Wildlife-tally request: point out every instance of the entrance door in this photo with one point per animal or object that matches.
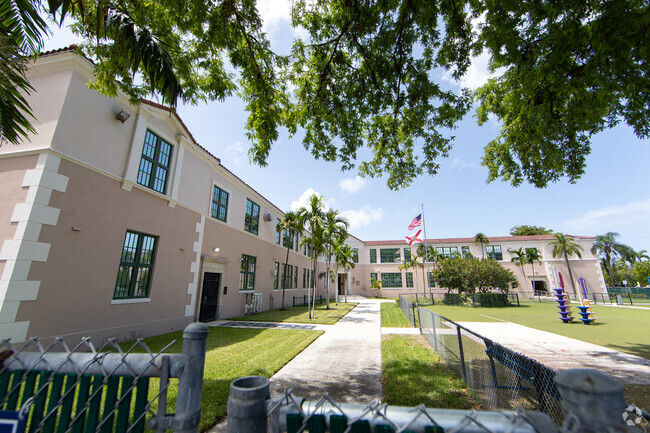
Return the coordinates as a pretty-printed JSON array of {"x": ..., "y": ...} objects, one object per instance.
[
  {"x": 540, "y": 286},
  {"x": 342, "y": 281},
  {"x": 211, "y": 284}
]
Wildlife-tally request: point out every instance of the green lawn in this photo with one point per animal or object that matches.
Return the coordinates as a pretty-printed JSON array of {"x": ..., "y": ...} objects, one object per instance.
[
  {"x": 413, "y": 374},
  {"x": 323, "y": 316},
  {"x": 624, "y": 329},
  {"x": 392, "y": 316},
  {"x": 233, "y": 353}
]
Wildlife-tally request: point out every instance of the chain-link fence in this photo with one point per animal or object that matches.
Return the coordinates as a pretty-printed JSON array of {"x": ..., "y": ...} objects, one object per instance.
[
  {"x": 594, "y": 403},
  {"x": 55, "y": 388},
  {"x": 501, "y": 377}
]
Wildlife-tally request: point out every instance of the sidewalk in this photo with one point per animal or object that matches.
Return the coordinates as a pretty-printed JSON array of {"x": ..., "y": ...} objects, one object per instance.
[
  {"x": 561, "y": 353},
  {"x": 345, "y": 362}
]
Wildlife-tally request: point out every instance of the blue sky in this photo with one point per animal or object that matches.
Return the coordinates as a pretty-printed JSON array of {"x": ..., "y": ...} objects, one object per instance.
[{"x": 613, "y": 195}]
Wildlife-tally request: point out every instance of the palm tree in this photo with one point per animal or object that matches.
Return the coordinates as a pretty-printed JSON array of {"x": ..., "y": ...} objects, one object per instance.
[
  {"x": 643, "y": 256},
  {"x": 345, "y": 258},
  {"x": 532, "y": 256},
  {"x": 335, "y": 231},
  {"x": 289, "y": 226},
  {"x": 482, "y": 240},
  {"x": 376, "y": 284},
  {"x": 312, "y": 217},
  {"x": 565, "y": 245},
  {"x": 608, "y": 248},
  {"x": 412, "y": 262},
  {"x": 519, "y": 258}
]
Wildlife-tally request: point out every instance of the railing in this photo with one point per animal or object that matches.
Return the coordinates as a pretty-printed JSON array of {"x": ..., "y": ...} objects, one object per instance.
[
  {"x": 55, "y": 388},
  {"x": 593, "y": 403},
  {"x": 500, "y": 377}
]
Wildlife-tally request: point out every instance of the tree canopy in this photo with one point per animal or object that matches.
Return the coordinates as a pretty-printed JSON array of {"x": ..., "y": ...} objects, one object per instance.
[
  {"x": 526, "y": 230},
  {"x": 368, "y": 75}
]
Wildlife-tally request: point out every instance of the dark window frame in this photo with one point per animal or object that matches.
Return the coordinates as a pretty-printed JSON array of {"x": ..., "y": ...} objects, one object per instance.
[
  {"x": 252, "y": 217},
  {"x": 135, "y": 290},
  {"x": 217, "y": 207},
  {"x": 155, "y": 161}
]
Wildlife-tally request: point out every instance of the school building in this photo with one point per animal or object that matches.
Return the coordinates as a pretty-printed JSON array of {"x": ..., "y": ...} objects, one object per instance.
[{"x": 114, "y": 222}]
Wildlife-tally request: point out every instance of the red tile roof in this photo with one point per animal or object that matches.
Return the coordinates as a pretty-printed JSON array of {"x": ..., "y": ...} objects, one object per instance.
[{"x": 492, "y": 239}]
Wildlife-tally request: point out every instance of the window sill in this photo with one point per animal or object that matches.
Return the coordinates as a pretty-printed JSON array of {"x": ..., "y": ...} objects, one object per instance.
[{"x": 130, "y": 301}]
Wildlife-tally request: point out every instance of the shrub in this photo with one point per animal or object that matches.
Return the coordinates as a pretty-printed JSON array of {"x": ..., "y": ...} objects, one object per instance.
[
  {"x": 453, "y": 299},
  {"x": 490, "y": 300}
]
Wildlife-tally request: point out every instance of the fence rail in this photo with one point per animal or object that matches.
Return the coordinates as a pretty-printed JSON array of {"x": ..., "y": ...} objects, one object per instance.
[
  {"x": 501, "y": 377},
  {"x": 56, "y": 388},
  {"x": 593, "y": 403}
]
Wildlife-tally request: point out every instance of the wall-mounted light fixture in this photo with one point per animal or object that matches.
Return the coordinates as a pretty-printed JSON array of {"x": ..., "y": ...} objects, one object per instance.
[
  {"x": 216, "y": 249},
  {"x": 122, "y": 116},
  {"x": 76, "y": 229}
]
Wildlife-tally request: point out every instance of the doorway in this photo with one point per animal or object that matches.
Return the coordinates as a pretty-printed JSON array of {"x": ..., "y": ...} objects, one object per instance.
[
  {"x": 209, "y": 302},
  {"x": 342, "y": 280},
  {"x": 540, "y": 286}
]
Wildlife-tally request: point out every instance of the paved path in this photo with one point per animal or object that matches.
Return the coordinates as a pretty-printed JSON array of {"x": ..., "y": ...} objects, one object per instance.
[
  {"x": 345, "y": 362},
  {"x": 561, "y": 353}
]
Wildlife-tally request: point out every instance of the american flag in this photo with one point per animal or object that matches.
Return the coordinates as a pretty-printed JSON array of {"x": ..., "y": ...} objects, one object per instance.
[{"x": 417, "y": 221}]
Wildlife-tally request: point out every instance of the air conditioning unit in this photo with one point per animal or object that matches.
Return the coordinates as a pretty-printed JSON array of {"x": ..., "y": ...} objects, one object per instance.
[{"x": 267, "y": 217}]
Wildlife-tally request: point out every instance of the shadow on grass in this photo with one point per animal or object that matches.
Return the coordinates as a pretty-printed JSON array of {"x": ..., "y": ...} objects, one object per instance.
[{"x": 638, "y": 349}]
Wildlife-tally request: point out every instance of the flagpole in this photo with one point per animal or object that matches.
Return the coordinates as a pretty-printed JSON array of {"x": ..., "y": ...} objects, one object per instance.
[{"x": 426, "y": 254}]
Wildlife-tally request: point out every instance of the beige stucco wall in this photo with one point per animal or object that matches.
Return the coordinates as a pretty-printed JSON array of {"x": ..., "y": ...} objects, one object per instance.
[
  {"x": 12, "y": 173},
  {"x": 78, "y": 279},
  {"x": 232, "y": 243}
]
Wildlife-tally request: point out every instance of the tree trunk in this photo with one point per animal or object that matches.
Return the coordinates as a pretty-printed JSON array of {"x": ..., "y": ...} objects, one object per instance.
[
  {"x": 611, "y": 269},
  {"x": 327, "y": 282},
  {"x": 284, "y": 276},
  {"x": 336, "y": 285},
  {"x": 310, "y": 289},
  {"x": 313, "y": 300},
  {"x": 573, "y": 284}
]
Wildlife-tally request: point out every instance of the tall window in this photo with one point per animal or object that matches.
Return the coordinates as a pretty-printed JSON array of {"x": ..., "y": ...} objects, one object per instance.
[
  {"x": 247, "y": 274},
  {"x": 493, "y": 252},
  {"x": 136, "y": 264},
  {"x": 432, "y": 281},
  {"x": 373, "y": 256},
  {"x": 389, "y": 255},
  {"x": 252, "y": 218},
  {"x": 154, "y": 164},
  {"x": 465, "y": 251},
  {"x": 276, "y": 272},
  {"x": 277, "y": 232},
  {"x": 409, "y": 279},
  {"x": 407, "y": 254},
  {"x": 355, "y": 255},
  {"x": 219, "y": 207},
  {"x": 373, "y": 275},
  {"x": 295, "y": 278},
  {"x": 391, "y": 279}
]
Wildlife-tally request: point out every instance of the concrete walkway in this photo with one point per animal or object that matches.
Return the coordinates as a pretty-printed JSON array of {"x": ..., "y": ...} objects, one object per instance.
[
  {"x": 345, "y": 362},
  {"x": 561, "y": 353}
]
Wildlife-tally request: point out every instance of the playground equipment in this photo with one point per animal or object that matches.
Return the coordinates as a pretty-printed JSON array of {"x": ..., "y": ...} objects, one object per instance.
[
  {"x": 564, "y": 305},
  {"x": 587, "y": 316}
]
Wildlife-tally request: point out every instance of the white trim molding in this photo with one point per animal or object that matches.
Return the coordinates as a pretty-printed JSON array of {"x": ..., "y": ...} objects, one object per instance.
[
  {"x": 19, "y": 252},
  {"x": 194, "y": 268}
]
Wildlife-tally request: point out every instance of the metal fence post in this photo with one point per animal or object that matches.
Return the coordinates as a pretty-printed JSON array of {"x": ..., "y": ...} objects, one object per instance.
[
  {"x": 190, "y": 382},
  {"x": 462, "y": 354},
  {"x": 247, "y": 405},
  {"x": 593, "y": 399}
]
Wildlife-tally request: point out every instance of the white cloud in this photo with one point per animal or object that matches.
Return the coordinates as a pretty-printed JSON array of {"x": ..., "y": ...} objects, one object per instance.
[
  {"x": 363, "y": 217},
  {"x": 352, "y": 184},
  {"x": 460, "y": 164},
  {"x": 236, "y": 152},
  {"x": 304, "y": 200},
  {"x": 610, "y": 218},
  {"x": 274, "y": 13}
]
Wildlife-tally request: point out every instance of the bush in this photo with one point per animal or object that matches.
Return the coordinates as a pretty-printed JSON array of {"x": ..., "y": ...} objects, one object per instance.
[
  {"x": 453, "y": 299},
  {"x": 490, "y": 300}
]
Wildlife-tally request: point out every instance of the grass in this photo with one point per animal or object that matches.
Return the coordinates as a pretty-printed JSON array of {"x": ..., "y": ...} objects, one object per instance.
[
  {"x": 413, "y": 374},
  {"x": 392, "y": 316},
  {"x": 323, "y": 316},
  {"x": 233, "y": 353},
  {"x": 624, "y": 329}
]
